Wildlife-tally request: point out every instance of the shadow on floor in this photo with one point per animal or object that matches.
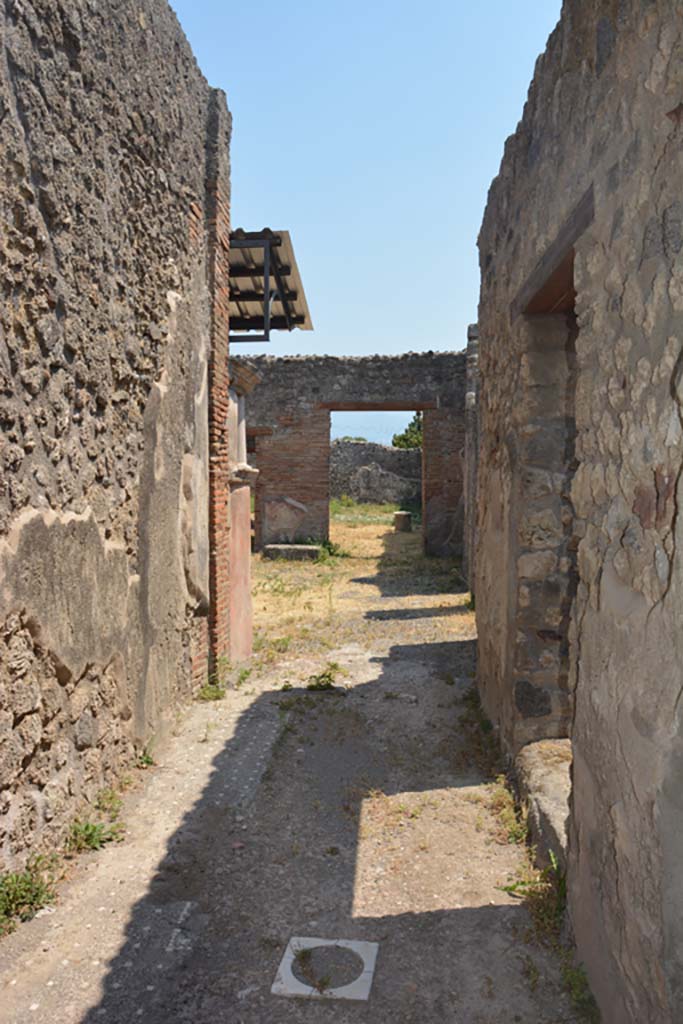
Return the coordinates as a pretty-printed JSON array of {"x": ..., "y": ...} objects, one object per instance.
[
  {"x": 384, "y": 615},
  {"x": 239, "y": 880}
]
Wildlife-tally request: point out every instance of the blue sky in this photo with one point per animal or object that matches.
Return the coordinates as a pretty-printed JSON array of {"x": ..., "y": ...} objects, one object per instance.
[{"x": 371, "y": 131}]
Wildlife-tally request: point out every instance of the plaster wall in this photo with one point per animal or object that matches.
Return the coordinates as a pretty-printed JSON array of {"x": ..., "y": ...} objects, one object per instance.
[
  {"x": 605, "y": 110},
  {"x": 114, "y": 155}
]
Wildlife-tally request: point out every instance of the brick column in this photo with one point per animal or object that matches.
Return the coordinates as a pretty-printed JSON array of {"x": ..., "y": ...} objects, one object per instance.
[{"x": 218, "y": 232}]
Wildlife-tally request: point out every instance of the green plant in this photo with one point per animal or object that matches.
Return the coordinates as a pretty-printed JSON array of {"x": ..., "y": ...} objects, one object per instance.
[
  {"x": 482, "y": 745},
  {"x": 329, "y": 549},
  {"x": 324, "y": 680},
  {"x": 211, "y": 691},
  {"x": 145, "y": 759},
  {"x": 24, "y": 893},
  {"x": 512, "y": 822},
  {"x": 109, "y": 802},
  {"x": 242, "y": 677},
  {"x": 577, "y": 986},
  {"x": 346, "y": 502},
  {"x": 411, "y": 437},
  {"x": 92, "y": 835},
  {"x": 470, "y": 604},
  {"x": 530, "y": 972}
]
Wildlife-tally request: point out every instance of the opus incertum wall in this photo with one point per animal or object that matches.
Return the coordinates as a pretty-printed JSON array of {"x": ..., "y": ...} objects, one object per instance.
[
  {"x": 114, "y": 201},
  {"x": 288, "y": 426},
  {"x": 579, "y": 566}
]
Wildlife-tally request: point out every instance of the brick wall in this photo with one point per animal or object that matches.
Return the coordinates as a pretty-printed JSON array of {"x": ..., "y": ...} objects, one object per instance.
[
  {"x": 288, "y": 421},
  {"x": 293, "y": 485},
  {"x": 218, "y": 225}
]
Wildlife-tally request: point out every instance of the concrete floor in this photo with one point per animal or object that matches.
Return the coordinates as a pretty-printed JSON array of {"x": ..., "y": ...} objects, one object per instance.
[{"x": 357, "y": 815}]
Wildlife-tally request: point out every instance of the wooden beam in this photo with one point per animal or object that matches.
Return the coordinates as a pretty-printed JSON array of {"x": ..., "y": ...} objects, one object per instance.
[{"x": 556, "y": 256}]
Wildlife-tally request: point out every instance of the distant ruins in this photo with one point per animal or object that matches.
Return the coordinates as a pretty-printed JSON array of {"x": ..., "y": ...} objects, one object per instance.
[
  {"x": 288, "y": 433},
  {"x": 579, "y": 576},
  {"x": 369, "y": 472}
]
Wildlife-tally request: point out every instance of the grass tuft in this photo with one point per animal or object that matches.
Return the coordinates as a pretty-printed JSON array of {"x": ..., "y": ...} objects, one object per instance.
[
  {"x": 92, "y": 835},
  {"x": 24, "y": 893}
]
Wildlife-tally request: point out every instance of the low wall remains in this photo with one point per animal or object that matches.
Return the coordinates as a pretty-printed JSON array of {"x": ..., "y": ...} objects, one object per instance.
[{"x": 369, "y": 472}]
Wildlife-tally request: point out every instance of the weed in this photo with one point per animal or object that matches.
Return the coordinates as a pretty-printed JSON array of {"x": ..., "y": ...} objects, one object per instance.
[
  {"x": 92, "y": 835},
  {"x": 513, "y": 827},
  {"x": 470, "y": 604},
  {"x": 323, "y": 983},
  {"x": 24, "y": 893},
  {"x": 576, "y": 984},
  {"x": 286, "y": 686},
  {"x": 210, "y": 726},
  {"x": 242, "y": 677},
  {"x": 145, "y": 759},
  {"x": 303, "y": 957},
  {"x": 211, "y": 691},
  {"x": 109, "y": 802},
  {"x": 482, "y": 745},
  {"x": 329, "y": 549},
  {"x": 530, "y": 972},
  {"x": 281, "y": 644},
  {"x": 325, "y": 680}
]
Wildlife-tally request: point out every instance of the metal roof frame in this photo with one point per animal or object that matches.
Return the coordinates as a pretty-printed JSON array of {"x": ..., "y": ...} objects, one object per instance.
[{"x": 264, "y": 262}]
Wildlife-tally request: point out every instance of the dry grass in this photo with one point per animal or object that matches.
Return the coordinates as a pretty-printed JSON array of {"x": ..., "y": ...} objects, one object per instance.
[{"x": 309, "y": 608}]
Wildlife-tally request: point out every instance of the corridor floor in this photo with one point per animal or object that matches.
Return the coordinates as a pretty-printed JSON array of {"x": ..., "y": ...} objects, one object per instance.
[{"x": 362, "y": 813}]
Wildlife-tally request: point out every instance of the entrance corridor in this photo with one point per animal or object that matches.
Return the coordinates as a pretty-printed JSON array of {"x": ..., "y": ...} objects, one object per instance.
[{"x": 344, "y": 790}]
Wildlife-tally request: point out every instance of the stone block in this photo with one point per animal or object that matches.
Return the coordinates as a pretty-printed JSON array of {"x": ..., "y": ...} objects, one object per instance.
[
  {"x": 543, "y": 777},
  {"x": 293, "y": 552}
]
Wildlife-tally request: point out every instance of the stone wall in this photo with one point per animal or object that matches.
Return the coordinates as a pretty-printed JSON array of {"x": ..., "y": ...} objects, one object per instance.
[
  {"x": 471, "y": 453},
  {"x": 579, "y": 574},
  {"x": 288, "y": 423},
  {"x": 114, "y": 197},
  {"x": 370, "y": 472}
]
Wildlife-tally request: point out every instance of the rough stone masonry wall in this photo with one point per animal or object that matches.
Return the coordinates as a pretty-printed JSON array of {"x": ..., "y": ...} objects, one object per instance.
[
  {"x": 109, "y": 204},
  {"x": 288, "y": 422},
  {"x": 471, "y": 453},
  {"x": 369, "y": 472},
  {"x": 605, "y": 109}
]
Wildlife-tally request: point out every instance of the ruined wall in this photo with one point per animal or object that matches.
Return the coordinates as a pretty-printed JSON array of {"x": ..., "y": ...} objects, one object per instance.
[
  {"x": 288, "y": 423},
  {"x": 114, "y": 157},
  {"x": 605, "y": 110},
  {"x": 369, "y": 472}
]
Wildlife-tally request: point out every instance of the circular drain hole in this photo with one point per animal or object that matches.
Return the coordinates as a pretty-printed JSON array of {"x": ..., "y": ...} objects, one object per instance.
[{"x": 325, "y": 967}]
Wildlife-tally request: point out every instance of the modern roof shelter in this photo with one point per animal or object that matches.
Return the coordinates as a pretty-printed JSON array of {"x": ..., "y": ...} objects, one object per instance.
[{"x": 266, "y": 293}]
